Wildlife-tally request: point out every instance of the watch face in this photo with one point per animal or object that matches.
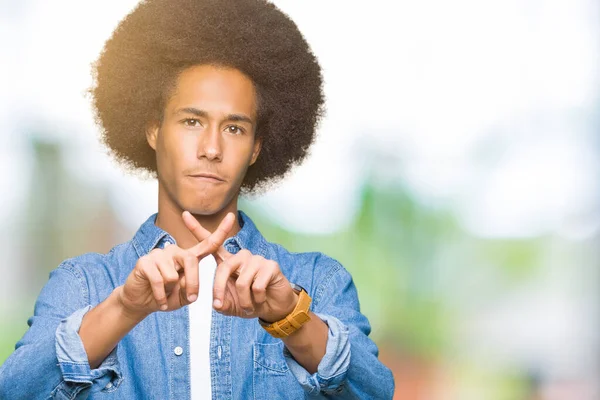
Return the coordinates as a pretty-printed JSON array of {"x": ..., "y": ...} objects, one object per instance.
[{"x": 297, "y": 288}]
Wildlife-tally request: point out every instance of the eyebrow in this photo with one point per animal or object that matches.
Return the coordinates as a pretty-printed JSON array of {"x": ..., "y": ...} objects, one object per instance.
[{"x": 204, "y": 114}]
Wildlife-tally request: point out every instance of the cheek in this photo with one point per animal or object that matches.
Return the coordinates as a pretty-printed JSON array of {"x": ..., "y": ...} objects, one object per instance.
[
  {"x": 163, "y": 158},
  {"x": 242, "y": 161},
  {"x": 247, "y": 152},
  {"x": 174, "y": 152}
]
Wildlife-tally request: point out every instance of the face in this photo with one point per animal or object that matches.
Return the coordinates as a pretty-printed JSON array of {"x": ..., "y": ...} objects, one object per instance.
[{"x": 206, "y": 142}]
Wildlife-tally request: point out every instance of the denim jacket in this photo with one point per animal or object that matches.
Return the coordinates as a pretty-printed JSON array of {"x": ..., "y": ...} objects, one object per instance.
[{"x": 152, "y": 361}]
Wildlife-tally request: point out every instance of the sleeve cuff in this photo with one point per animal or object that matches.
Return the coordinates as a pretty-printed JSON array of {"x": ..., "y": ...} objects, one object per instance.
[
  {"x": 73, "y": 360},
  {"x": 331, "y": 372}
]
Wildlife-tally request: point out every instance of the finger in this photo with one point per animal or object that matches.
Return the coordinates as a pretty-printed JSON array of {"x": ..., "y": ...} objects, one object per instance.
[
  {"x": 219, "y": 236},
  {"x": 194, "y": 226},
  {"x": 199, "y": 232},
  {"x": 244, "y": 282},
  {"x": 182, "y": 290},
  {"x": 222, "y": 274},
  {"x": 192, "y": 280},
  {"x": 262, "y": 280},
  {"x": 174, "y": 252},
  {"x": 221, "y": 254},
  {"x": 166, "y": 266},
  {"x": 207, "y": 247},
  {"x": 153, "y": 275},
  {"x": 213, "y": 243}
]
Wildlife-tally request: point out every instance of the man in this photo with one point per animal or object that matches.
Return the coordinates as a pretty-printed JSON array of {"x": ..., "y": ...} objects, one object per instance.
[{"x": 216, "y": 98}]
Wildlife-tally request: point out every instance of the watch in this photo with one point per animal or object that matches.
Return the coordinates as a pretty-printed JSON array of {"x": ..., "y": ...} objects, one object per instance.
[{"x": 293, "y": 321}]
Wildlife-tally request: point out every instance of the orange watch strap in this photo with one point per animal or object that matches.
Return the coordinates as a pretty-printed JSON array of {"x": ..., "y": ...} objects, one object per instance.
[{"x": 293, "y": 321}]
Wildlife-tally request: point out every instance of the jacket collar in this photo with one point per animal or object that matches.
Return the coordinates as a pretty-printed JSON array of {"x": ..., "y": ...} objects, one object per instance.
[{"x": 149, "y": 236}]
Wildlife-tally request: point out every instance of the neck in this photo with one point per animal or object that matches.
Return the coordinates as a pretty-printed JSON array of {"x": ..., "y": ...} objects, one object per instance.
[{"x": 169, "y": 219}]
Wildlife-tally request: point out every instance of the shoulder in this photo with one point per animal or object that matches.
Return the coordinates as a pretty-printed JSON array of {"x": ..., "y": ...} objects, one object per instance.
[
  {"x": 96, "y": 261},
  {"x": 305, "y": 260},
  {"x": 314, "y": 270},
  {"x": 98, "y": 273}
]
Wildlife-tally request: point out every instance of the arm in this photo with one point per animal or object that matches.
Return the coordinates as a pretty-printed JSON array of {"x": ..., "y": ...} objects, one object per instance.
[
  {"x": 164, "y": 280},
  {"x": 250, "y": 286},
  {"x": 349, "y": 368},
  {"x": 49, "y": 360},
  {"x": 66, "y": 339},
  {"x": 104, "y": 326},
  {"x": 308, "y": 344}
]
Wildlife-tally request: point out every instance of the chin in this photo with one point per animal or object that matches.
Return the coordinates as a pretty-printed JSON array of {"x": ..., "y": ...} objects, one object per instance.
[
  {"x": 202, "y": 207},
  {"x": 202, "y": 203},
  {"x": 202, "y": 210}
]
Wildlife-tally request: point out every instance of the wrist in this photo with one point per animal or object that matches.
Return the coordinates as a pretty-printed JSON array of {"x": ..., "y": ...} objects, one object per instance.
[
  {"x": 286, "y": 310},
  {"x": 292, "y": 321},
  {"x": 127, "y": 312}
]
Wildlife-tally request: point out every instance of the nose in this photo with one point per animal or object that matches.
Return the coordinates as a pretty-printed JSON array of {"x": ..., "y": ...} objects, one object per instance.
[{"x": 210, "y": 145}]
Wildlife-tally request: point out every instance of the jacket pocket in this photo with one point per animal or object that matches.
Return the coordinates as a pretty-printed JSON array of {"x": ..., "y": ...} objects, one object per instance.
[
  {"x": 269, "y": 357},
  {"x": 272, "y": 378}
]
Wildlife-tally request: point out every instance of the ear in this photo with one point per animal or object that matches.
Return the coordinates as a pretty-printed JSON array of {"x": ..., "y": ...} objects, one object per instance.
[
  {"x": 152, "y": 134},
  {"x": 256, "y": 151}
]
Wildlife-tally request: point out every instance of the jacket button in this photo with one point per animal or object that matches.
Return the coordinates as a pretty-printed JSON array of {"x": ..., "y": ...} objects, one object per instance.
[{"x": 178, "y": 351}]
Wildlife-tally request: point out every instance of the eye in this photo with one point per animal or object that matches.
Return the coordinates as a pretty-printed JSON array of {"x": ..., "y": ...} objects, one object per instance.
[
  {"x": 234, "y": 129},
  {"x": 191, "y": 122}
]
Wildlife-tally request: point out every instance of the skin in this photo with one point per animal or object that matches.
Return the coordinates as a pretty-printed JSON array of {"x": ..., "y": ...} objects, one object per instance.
[{"x": 208, "y": 127}]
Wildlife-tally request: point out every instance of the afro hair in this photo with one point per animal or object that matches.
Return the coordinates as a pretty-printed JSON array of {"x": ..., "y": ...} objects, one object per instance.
[{"x": 151, "y": 46}]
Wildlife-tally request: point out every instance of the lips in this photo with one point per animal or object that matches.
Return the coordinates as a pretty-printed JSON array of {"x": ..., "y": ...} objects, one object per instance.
[{"x": 208, "y": 177}]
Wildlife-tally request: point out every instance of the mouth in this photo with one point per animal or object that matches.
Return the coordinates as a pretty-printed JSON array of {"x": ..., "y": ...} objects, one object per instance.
[{"x": 210, "y": 178}]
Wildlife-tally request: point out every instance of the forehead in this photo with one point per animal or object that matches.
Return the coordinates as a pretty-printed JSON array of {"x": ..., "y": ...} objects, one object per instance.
[{"x": 215, "y": 89}]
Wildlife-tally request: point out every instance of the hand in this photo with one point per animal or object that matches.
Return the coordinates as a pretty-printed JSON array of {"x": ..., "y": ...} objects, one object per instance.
[
  {"x": 247, "y": 285},
  {"x": 167, "y": 279}
]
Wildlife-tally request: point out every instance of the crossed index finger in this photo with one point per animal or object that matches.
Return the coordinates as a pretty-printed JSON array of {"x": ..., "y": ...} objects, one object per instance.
[{"x": 210, "y": 243}]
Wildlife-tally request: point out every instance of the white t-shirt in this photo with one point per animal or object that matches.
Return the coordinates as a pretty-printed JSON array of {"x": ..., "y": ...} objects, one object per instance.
[{"x": 200, "y": 313}]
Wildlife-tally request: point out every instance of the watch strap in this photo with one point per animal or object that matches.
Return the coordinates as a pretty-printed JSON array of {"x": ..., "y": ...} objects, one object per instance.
[{"x": 293, "y": 321}]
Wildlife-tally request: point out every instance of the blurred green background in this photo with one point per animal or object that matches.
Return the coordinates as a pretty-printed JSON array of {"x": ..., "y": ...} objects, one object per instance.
[{"x": 455, "y": 176}]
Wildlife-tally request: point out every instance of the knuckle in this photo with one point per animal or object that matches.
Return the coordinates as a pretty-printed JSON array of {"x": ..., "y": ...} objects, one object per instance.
[
  {"x": 271, "y": 265},
  {"x": 172, "y": 278},
  {"x": 240, "y": 285},
  {"x": 155, "y": 252},
  {"x": 143, "y": 260},
  {"x": 258, "y": 289},
  {"x": 245, "y": 303},
  {"x": 156, "y": 279}
]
